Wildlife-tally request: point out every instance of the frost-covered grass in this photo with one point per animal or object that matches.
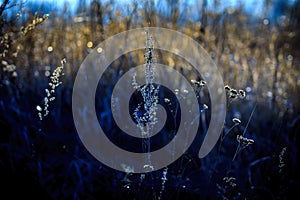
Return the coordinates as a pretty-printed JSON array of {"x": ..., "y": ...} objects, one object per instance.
[{"x": 255, "y": 158}]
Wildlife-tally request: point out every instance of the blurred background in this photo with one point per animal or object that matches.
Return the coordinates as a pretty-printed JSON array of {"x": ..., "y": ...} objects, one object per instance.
[{"x": 255, "y": 46}]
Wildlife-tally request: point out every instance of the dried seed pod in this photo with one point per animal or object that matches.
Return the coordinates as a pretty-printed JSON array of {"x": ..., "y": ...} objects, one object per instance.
[
  {"x": 242, "y": 93},
  {"x": 227, "y": 87},
  {"x": 236, "y": 120},
  {"x": 233, "y": 93}
]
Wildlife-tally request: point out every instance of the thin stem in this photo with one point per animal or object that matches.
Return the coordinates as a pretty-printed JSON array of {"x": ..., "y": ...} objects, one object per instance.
[
  {"x": 223, "y": 138},
  {"x": 249, "y": 119},
  {"x": 229, "y": 130},
  {"x": 239, "y": 145},
  {"x": 236, "y": 151}
]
